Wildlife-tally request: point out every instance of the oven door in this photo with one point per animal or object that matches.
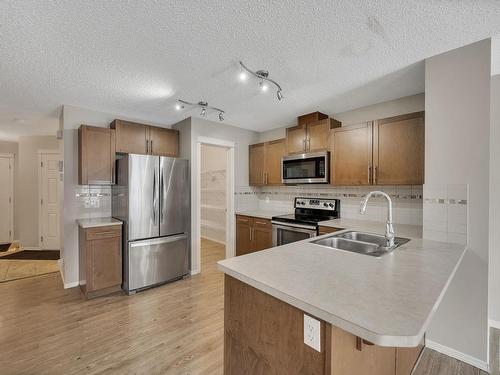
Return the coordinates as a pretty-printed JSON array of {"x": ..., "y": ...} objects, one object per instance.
[
  {"x": 312, "y": 168},
  {"x": 287, "y": 233}
]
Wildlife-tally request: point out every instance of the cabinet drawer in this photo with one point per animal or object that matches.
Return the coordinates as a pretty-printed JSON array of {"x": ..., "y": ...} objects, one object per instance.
[
  {"x": 262, "y": 223},
  {"x": 103, "y": 232},
  {"x": 244, "y": 220}
]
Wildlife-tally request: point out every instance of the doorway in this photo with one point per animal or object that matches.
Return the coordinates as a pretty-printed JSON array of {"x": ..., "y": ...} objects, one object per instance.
[
  {"x": 7, "y": 200},
  {"x": 214, "y": 202}
]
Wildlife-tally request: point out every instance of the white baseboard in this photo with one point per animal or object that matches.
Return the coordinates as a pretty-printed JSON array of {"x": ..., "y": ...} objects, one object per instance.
[
  {"x": 494, "y": 324},
  {"x": 473, "y": 361},
  {"x": 195, "y": 272},
  {"x": 31, "y": 248},
  {"x": 61, "y": 272}
]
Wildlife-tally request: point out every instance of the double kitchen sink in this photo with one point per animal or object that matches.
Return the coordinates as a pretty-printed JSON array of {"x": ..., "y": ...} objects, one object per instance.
[{"x": 360, "y": 242}]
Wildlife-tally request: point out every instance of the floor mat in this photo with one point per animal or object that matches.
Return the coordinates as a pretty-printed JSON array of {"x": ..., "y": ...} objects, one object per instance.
[
  {"x": 34, "y": 255},
  {"x": 5, "y": 247}
]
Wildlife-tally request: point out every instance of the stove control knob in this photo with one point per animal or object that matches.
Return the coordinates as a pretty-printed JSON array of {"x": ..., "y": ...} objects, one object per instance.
[
  {"x": 331, "y": 205},
  {"x": 325, "y": 204}
]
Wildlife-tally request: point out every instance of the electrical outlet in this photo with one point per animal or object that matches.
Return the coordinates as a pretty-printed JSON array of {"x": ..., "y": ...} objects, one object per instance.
[{"x": 312, "y": 332}]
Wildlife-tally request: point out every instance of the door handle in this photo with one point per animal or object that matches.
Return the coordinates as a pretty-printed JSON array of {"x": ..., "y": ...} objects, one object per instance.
[
  {"x": 154, "y": 199},
  {"x": 160, "y": 194}
]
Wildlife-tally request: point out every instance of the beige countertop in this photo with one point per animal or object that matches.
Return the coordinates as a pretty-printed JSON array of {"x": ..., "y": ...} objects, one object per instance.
[
  {"x": 98, "y": 222},
  {"x": 389, "y": 300},
  {"x": 262, "y": 214}
]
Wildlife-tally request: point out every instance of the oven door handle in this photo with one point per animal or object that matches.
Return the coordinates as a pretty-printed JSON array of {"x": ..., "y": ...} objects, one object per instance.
[{"x": 307, "y": 228}]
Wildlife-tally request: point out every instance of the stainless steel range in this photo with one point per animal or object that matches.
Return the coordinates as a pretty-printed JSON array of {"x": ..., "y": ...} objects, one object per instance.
[{"x": 304, "y": 223}]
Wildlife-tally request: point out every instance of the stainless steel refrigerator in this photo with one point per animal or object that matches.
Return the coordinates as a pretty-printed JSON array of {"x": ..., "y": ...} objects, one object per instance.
[{"x": 152, "y": 198}]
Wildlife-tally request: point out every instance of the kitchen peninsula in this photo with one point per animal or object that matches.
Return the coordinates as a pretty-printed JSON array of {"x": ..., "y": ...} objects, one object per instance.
[{"x": 373, "y": 312}]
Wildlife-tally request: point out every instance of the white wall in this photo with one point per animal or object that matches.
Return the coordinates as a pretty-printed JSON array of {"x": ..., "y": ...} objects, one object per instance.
[
  {"x": 242, "y": 138},
  {"x": 72, "y": 118},
  {"x": 27, "y": 203},
  {"x": 401, "y": 106},
  {"x": 494, "y": 260},
  {"x": 457, "y": 106}
]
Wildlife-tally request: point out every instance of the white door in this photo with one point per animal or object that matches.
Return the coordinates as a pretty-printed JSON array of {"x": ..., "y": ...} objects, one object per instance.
[
  {"x": 49, "y": 201},
  {"x": 6, "y": 199}
]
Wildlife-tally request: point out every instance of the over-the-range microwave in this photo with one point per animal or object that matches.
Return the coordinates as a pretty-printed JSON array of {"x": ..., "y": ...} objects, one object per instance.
[{"x": 311, "y": 168}]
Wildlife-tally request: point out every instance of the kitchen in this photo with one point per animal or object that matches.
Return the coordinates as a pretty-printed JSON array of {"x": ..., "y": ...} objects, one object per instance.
[{"x": 352, "y": 224}]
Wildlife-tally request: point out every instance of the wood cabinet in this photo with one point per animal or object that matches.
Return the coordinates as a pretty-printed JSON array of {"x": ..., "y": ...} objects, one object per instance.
[
  {"x": 135, "y": 138},
  {"x": 252, "y": 234},
  {"x": 351, "y": 155},
  {"x": 383, "y": 152},
  {"x": 310, "y": 137},
  {"x": 264, "y": 335},
  {"x": 96, "y": 155},
  {"x": 265, "y": 163},
  {"x": 398, "y": 150},
  {"x": 325, "y": 230},
  {"x": 100, "y": 262}
]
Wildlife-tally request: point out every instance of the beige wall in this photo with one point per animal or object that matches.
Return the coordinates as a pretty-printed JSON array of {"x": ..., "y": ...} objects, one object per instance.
[
  {"x": 457, "y": 142},
  {"x": 408, "y": 104},
  {"x": 27, "y": 205}
]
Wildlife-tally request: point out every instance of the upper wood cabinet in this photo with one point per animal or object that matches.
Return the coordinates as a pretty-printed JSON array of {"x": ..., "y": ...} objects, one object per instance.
[
  {"x": 96, "y": 154},
  {"x": 265, "y": 162},
  {"x": 398, "y": 150},
  {"x": 351, "y": 155},
  {"x": 163, "y": 142},
  {"x": 310, "y": 137},
  {"x": 134, "y": 138},
  {"x": 131, "y": 137},
  {"x": 383, "y": 152}
]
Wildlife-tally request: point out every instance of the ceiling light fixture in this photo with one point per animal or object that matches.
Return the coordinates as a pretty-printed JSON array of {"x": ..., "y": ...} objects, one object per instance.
[
  {"x": 203, "y": 105},
  {"x": 263, "y": 75},
  {"x": 179, "y": 106}
]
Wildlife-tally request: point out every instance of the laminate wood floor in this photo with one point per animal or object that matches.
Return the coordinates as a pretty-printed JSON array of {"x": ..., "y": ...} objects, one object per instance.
[
  {"x": 173, "y": 329},
  {"x": 13, "y": 269}
]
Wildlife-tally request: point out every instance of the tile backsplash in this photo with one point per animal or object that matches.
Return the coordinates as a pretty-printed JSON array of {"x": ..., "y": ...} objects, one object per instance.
[
  {"x": 407, "y": 200},
  {"x": 93, "y": 201}
]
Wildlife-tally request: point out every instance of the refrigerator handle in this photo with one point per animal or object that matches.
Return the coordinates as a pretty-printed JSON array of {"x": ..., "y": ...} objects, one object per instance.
[
  {"x": 154, "y": 198},
  {"x": 161, "y": 196}
]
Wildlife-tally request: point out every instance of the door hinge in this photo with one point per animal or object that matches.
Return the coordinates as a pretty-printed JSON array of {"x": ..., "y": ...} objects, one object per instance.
[
  {"x": 10, "y": 199},
  {"x": 41, "y": 164},
  {"x": 10, "y": 167},
  {"x": 41, "y": 201},
  {"x": 10, "y": 233},
  {"x": 41, "y": 238}
]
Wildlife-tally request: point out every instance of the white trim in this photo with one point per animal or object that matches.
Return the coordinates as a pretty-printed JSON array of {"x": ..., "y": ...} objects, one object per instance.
[
  {"x": 31, "y": 247},
  {"x": 12, "y": 161},
  {"x": 230, "y": 229},
  {"x": 473, "y": 361},
  {"x": 61, "y": 272},
  {"x": 40, "y": 153}
]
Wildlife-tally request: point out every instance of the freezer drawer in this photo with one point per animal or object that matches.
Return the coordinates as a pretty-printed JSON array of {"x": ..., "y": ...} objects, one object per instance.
[{"x": 155, "y": 261}]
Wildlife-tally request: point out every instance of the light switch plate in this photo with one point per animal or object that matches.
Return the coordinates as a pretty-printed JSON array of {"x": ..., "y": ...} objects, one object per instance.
[{"x": 312, "y": 332}]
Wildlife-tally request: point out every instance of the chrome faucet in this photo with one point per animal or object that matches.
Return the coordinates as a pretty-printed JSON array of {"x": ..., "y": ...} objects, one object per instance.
[{"x": 389, "y": 229}]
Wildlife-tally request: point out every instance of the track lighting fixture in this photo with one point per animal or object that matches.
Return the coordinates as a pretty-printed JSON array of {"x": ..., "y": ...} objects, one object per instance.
[
  {"x": 263, "y": 75},
  {"x": 203, "y": 105}
]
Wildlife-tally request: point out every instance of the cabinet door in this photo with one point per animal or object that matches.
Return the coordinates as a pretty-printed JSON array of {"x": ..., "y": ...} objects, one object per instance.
[
  {"x": 326, "y": 230},
  {"x": 163, "y": 142},
  {"x": 243, "y": 235},
  {"x": 257, "y": 164},
  {"x": 96, "y": 155},
  {"x": 262, "y": 235},
  {"x": 350, "y": 357},
  {"x": 131, "y": 137},
  {"x": 398, "y": 153},
  {"x": 318, "y": 136},
  {"x": 105, "y": 263},
  {"x": 296, "y": 139},
  {"x": 352, "y": 155},
  {"x": 275, "y": 151}
]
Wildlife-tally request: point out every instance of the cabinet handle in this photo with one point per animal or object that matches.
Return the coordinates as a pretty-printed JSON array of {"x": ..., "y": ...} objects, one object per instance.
[
  {"x": 308, "y": 144},
  {"x": 305, "y": 144},
  {"x": 147, "y": 146},
  {"x": 260, "y": 222},
  {"x": 375, "y": 176},
  {"x": 104, "y": 233},
  {"x": 369, "y": 174},
  {"x": 151, "y": 147}
]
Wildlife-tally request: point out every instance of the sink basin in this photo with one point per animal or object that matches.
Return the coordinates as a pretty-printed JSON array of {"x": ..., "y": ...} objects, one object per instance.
[{"x": 360, "y": 242}]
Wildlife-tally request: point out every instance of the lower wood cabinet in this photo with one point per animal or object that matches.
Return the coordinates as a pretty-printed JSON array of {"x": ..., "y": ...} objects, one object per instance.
[
  {"x": 252, "y": 234},
  {"x": 264, "y": 335},
  {"x": 326, "y": 230},
  {"x": 100, "y": 260}
]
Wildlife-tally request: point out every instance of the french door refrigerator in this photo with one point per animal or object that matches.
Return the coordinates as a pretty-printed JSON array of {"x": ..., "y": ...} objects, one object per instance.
[{"x": 152, "y": 198}]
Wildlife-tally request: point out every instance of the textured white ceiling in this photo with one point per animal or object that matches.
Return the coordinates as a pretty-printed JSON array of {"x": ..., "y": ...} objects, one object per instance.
[{"x": 137, "y": 57}]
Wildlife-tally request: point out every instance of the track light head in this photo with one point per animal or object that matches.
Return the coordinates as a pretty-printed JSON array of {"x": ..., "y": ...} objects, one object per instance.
[
  {"x": 263, "y": 86},
  {"x": 279, "y": 94},
  {"x": 203, "y": 112},
  {"x": 179, "y": 106},
  {"x": 263, "y": 76},
  {"x": 243, "y": 76},
  {"x": 221, "y": 117}
]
